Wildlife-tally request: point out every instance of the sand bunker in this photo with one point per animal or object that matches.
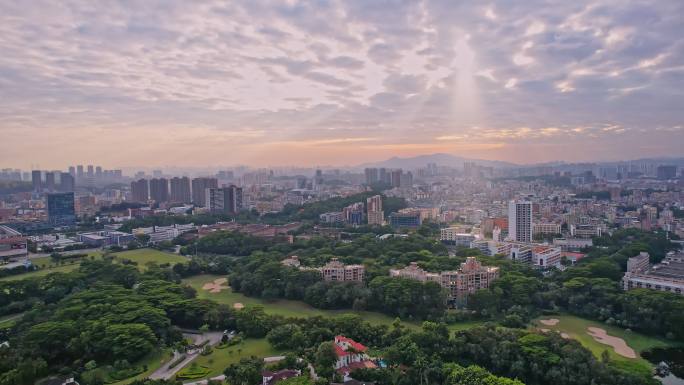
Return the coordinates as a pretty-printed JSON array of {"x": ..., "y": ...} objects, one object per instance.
[
  {"x": 216, "y": 286},
  {"x": 550, "y": 322},
  {"x": 565, "y": 335},
  {"x": 618, "y": 344},
  {"x": 238, "y": 306}
]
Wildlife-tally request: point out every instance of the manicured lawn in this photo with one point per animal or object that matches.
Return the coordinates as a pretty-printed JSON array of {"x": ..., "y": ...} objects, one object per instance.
[
  {"x": 220, "y": 359},
  {"x": 576, "y": 328},
  {"x": 41, "y": 273},
  {"x": 289, "y": 308},
  {"x": 145, "y": 256},
  {"x": 141, "y": 256},
  {"x": 464, "y": 325},
  {"x": 282, "y": 307}
]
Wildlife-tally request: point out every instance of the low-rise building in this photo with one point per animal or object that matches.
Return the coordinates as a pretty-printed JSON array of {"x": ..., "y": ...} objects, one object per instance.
[
  {"x": 406, "y": 219},
  {"x": 472, "y": 276},
  {"x": 164, "y": 233},
  {"x": 351, "y": 355},
  {"x": 332, "y": 217},
  {"x": 455, "y": 236},
  {"x": 271, "y": 378},
  {"x": 12, "y": 244},
  {"x": 545, "y": 257},
  {"x": 546, "y": 228},
  {"x": 666, "y": 276},
  {"x": 292, "y": 261},
  {"x": 586, "y": 231},
  {"x": 338, "y": 271},
  {"x": 572, "y": 244},
  {"x": 105, "y": 238}
]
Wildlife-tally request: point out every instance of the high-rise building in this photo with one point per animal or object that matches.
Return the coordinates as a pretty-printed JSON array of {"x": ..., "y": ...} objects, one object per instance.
[
  {"x": 520, "y": 221},
  {"x": 60, "y": 207},
  {"x": 384, "y": 176},
  {"x": 318, "y": 179},
  {"x": 371, "y": 176},
  {"x": 395, "y": 178},
  {"x": 50, "y": 184},
  {"x": 180, "y": 190},
  {"x": 666, "y": 172},
  {"x": 72, "y": 170},
  {"x": 374, "y": 211},
  {"x": 79, "y": 171},
  {"x": 159, "y": 190},
  {"x": 37, "y": 180},
  {"x": 91, "y": 171},
  {"x": 67, "y": 183},
  {"x": 225, "y": 200},
  {"x": 98, "y": 172},
  {"x": 199, "y": 190},
  {"x": 140, "y": 190}
]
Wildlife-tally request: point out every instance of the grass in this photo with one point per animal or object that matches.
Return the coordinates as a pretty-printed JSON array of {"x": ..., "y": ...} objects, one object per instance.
[
  {"x": 153, "y": 361},
  {"x": 9, "y": 320},
  {"x": 576, "y": 328},
  {"x": 220, "y": 359},
  {"x": 145, "y": 256},
  {"x": 288, "y": 308},
  {"x": 141, "y": 256}
]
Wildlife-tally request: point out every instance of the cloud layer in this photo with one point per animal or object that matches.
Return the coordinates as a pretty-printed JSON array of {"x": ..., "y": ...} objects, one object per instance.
[{"x": 338, "y": 82}]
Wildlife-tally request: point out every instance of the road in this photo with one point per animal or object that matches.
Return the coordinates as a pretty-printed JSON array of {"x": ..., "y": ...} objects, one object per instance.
[{"x": 164, "y": 372}]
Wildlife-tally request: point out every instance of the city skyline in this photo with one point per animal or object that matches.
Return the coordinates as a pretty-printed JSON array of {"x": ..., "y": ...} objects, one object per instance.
[{"x": 339, "y": 83}]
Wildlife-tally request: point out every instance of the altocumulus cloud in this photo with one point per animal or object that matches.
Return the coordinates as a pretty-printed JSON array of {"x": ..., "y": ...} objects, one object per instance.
[{"x": 491, "y": 79}]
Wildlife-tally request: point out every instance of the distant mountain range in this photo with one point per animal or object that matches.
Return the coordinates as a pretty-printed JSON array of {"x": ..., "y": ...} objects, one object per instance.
[
  {"x": 421, "y": 161},
  {"x": 441, "y": 159}
]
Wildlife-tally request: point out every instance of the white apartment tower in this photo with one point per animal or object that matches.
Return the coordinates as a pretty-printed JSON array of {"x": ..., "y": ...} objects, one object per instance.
[{"x": 520, "y": 221}]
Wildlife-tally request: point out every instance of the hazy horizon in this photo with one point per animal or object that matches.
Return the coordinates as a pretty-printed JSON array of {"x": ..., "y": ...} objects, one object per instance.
[{"x": 262, "y": 83}]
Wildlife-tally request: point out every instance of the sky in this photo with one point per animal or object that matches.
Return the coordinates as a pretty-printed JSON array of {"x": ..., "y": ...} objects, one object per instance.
[{"x": 276, "y": 83}]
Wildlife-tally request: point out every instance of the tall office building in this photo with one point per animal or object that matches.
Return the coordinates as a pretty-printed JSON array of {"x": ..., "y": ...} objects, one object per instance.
[
  {"x": 199, "y": 190},
  {"x": 225, "y": 200},
  {"x": 60, "y": 207},
  {"x": 79, "y": 171},
  {"x": 37, "y": 180},
  {"x": 50, "y": 184},
  {"x": 91, "y": 171},
  {"x": 98, "y": 172},
  {"x": 159, "y": 190},
  {"x": 67, "y": 183},
  {"x": 180, "y": 190},
  {"x": 374, "y": 211},
  {"x": 72, "y": 170},
  {"x": 520, "y": 221},
  {"x": 140, "y": 191}
]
